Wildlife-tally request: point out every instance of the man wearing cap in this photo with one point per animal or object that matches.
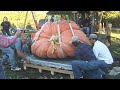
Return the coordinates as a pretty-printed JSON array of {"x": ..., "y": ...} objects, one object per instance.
[
  {"x": 102, "y": 53},
  {"x": 85, "y": 62}
]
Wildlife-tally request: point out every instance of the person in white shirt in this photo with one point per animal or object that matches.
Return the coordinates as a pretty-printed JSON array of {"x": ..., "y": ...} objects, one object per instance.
[{"x": 101, "y": 51}]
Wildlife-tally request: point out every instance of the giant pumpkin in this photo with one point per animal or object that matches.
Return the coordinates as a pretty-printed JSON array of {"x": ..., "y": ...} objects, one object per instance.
[{"x": 50, "y": 45}]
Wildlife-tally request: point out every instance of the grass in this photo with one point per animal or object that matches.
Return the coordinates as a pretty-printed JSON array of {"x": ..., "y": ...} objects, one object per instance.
[
  {"x": 31, "y": 73},
  {"x": 117, "y": 35}
]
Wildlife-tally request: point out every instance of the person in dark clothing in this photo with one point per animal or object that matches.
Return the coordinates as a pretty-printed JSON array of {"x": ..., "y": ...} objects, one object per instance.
[
  {"x": 52, "y": 18},
  {"x": 85, "y": 23},
  {"x": 6, "y": 26},
  {"x": 86, "y": 60}
]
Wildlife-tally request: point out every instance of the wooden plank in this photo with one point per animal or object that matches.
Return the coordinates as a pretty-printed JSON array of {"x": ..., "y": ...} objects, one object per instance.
[
  {"x": 25, "y": 67},
  {"x": 40, "y": 70},
  {"x": 50, "y": 69},
  {"x": 51, "y": 63}
]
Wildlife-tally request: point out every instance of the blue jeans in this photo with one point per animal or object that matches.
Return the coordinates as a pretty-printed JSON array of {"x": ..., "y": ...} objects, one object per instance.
[
  {"x": 18, "y": 45},
  {"x": 10, "y": 53},
  {"x": 2, "y": 73},
  {"x": 93, "y": 68},
  {"x": 86, "y": 30},
  {"x": 25, "y": 49}
]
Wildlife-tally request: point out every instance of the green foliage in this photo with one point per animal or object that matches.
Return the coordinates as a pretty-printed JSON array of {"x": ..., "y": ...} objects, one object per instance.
[
  {"x": 113, "y": 17},
  {"x": 28, "y": 26},
  {"x": 18, "y": 17}
]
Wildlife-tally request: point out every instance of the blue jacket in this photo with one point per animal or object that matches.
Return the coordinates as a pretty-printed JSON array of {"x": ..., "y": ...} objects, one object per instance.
[{"x": 85, "y": 52}]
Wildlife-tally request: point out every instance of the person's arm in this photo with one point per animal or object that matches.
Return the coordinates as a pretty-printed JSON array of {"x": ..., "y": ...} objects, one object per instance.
[
  {"x": 9, "y": 24},
  {"x": 78, "y": 56},
  {"x": 19, "y": 50},
  {"x": 96, "y": 51},
  {"x": 22, "y": 55},
  {"x": 6, "y": 42},
  {"x": 78, "y": 53}
]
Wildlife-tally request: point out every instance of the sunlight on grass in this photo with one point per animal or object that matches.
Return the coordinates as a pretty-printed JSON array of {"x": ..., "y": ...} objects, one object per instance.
[
  {"x": 117, "y": 35},
  {"x": 18, "y": 17}
]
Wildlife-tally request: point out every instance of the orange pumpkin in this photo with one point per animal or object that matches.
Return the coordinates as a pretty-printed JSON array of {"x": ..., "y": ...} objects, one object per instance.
[{"x": 48, "y": 44}]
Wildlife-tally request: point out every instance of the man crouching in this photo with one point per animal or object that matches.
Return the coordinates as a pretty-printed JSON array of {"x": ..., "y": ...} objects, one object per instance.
[{"x": 86, "y": 60}]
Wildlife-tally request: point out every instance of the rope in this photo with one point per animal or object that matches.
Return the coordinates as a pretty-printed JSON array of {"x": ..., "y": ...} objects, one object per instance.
[
  {"x": 25, "y": 21},
  {"x": 39, "y": 32},
  {"x": 60, "y": 41},
  {"x": 70, "y": 25},
  {"x": 35, "y": 21},
  {"x": 22, "y": 34},
  {"x": 38, "y": 35}
]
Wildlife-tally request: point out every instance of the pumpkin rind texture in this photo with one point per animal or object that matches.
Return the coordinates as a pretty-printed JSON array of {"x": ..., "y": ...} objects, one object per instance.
[{"x": 48, "y": 44}]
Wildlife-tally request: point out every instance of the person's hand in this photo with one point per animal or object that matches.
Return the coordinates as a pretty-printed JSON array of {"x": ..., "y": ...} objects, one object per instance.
[{"x": 18, "y": 34}]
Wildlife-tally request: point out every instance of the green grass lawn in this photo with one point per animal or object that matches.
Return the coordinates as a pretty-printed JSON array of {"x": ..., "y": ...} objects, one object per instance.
[
  {"x": 31, "y": 73},
  {"x": 115, "y": 48}
]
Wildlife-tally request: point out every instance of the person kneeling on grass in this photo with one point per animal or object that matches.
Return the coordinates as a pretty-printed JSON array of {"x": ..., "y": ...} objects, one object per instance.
[{"x": 87, "y": 61}]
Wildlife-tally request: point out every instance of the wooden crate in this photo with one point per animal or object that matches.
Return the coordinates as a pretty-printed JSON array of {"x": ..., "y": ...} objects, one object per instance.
[
  {"x": 53, "y": 66},
  {"x": 51, "y": 69}
]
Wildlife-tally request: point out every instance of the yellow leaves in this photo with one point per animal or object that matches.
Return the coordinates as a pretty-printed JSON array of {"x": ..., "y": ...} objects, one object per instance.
[{"x": 18, "y": 17}]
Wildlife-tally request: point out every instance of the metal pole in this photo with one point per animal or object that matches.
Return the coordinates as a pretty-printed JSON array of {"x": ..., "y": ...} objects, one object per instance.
[
  {"x": 25, "y": 21},
  {"x": 35, "y": 21}
]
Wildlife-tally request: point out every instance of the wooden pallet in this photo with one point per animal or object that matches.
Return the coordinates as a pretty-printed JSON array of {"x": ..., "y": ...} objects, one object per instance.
[
  {"x": 53, "y": 66},
  {"x": 51, "y": 69}
]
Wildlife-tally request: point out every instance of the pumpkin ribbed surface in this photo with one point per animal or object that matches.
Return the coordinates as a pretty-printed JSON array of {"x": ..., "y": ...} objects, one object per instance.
[{"x": 48, "y": 44}]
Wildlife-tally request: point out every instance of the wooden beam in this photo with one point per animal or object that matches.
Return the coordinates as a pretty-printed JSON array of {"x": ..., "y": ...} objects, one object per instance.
[{"x": 49, "y": 69}]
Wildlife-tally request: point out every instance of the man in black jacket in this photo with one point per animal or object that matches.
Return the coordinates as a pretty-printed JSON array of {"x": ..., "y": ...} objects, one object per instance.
[{"x": 6, "y": 26}]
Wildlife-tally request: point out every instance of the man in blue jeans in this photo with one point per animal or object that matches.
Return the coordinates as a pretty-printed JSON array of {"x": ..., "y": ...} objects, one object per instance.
[
  {"x": 4, "y": 43},
  {"x": 102, "y": 53},
  {"x": 87, "y": 61},
  {"x": 2, "y": 73},
  {"x": 10, "y": 53}
]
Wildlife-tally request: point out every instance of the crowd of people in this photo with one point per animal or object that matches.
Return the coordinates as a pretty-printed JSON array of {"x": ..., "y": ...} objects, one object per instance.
[{"x": 92, "y": 59}]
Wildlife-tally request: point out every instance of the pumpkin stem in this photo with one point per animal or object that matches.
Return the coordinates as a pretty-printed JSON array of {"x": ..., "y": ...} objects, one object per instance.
[{"x": 54, "y": 40}]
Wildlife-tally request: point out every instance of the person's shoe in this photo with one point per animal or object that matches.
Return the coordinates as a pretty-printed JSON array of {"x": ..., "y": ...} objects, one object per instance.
[{"x": 16, "y": 69}]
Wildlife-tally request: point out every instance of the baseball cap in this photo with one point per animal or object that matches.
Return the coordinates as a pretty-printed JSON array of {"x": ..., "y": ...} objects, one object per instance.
[
  {"x": 93, "y": 36},
  {"x": 75, "y": 39}
]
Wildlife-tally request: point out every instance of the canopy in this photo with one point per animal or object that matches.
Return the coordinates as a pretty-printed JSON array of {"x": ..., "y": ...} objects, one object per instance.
[{"x": 59, "y": 12}]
